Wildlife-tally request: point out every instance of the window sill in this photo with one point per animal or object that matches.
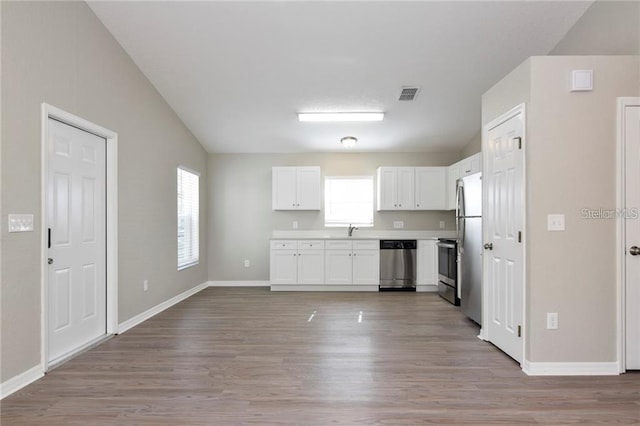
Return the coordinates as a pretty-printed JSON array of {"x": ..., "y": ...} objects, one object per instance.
[{"x": 188, "y": 265}]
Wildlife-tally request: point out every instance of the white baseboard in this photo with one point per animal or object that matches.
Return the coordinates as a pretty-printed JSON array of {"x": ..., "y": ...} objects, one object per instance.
[
  {"x": 16, "y": 383},
  {"x": 426, "y": 288},
  {"x": 132, "y": 322},
  {"x": 571, "y": 368},
  {"x": 238, "y": 283}
]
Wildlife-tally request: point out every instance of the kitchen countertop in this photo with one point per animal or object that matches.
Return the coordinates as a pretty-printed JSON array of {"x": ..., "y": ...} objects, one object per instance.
[{"x": 341, "y": 234}]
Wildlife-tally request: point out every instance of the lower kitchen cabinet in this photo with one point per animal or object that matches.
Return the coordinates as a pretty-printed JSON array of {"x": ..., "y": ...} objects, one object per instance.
[
  {"x": 427, "y": 267},
  {"x": 325, "y": 265},
  {"x": 352, "y": 262},
  {"x": 296, "y": 262}
]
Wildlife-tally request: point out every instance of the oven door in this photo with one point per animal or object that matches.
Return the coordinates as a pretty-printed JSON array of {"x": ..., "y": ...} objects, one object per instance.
[{"x": 447, "y": 268}]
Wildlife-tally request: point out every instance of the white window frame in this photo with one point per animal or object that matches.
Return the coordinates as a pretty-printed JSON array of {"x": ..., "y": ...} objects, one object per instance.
[
  {"x": 192, "y": 228},
  {"x": 327, "y": 204}
]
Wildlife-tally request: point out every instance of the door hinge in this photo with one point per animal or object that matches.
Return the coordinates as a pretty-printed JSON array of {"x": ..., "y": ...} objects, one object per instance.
[
  {"x": 519, "y": 331},
  {"x": 519, "y": 236},
  {"x": 519, "y": 139}
]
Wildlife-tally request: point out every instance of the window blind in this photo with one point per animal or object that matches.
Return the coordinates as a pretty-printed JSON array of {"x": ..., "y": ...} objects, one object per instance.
[
  {"x": 188, "y": 218},
  {"x": 348, "y": 200}
]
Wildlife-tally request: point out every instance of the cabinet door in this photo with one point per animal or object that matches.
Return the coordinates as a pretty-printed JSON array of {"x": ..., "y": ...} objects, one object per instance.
[
  {"x": 283, "y": 188},
  {"x": 453, "y": 174},
  {"x": 387, "y": 188},
  {"x": 465, "y": 167},
  {"x": 366, "y": 267},
  {"x": 283, "y": 267},
  {"x": 406, "y": 188},
  {"x": 338, "y": 266},
  {"x": 308, "y": 188},
  {"x": 431, "y": 188},
  {"x": 310, "y": 266},
  {"x": 427, "y": 268}
]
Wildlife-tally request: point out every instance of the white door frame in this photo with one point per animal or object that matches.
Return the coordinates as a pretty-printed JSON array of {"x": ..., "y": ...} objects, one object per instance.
[
  {"x": 111, "y": 138},
  {"x": 518, "y": 109},
  {"x": 621, "y": 284}
]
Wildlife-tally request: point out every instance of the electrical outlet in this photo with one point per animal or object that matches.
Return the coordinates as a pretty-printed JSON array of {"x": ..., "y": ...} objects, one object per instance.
[
  {"x": 295, "y": 224},
  {"x": 398, "y": 224},
  {"x": 552, "y": 320},
  {"x": 145, "y": 285},
  {"x": 442, "y": 224},
  {"x": 247, "y": 263}
]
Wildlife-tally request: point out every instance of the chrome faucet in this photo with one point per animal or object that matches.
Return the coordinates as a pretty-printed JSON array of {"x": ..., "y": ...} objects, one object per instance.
[{"x": 351, "y": 229}]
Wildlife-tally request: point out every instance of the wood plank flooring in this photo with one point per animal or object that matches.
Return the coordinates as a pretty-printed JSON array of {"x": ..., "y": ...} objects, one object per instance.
[{"x": 236, "y": 356}]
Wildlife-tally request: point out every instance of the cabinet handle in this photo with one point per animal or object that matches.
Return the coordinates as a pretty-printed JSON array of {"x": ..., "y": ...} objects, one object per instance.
[
  {"x": 354, "y": 255},
  {"x": 417, "y": 205}
]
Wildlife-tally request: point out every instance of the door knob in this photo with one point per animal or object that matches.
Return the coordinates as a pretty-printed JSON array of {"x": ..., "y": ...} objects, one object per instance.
[
  {"x": 488, "y": 246},
  {"x": 50, "y": 261},
  {"x": 634, "y": 250}
]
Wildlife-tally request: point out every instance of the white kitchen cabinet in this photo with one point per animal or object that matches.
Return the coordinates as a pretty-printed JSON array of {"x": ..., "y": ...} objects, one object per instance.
[
  {"x": 427, "y": 267},
  {"x": 295, "y": 188},
  {"x": 366, "y": 262},
  {"x": 297, "y": 262},
  {"x": 396, "y": 188},
  {"x": 465, "y": 167},
  {"x": 430, "y": 188},
  {"x": 352, "y": 262}
]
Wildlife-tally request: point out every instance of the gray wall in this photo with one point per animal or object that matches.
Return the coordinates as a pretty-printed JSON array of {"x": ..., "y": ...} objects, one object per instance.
[
  {"x": 606, "y": 28},
  {"x": 473, "y": 146},
  {"x": 241, "y": 219},
  {"x": 570, "y": 148},
  {"x": 60, "y": 53}
]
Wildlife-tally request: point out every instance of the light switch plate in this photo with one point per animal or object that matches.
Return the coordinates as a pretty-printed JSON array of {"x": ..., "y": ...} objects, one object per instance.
[
  {"x": 398, "y": 224},
  {"x": 20, "y": 222},
  {"x": 555, "y": 222}
]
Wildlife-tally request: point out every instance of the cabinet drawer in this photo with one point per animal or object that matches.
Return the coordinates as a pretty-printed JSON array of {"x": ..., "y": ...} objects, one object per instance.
[
  {"x": 366, "y": 245},
  {"x": 310, "y": 244},
  {"x": 339, "y": 244},
  {"x": 284, "y": 244}
]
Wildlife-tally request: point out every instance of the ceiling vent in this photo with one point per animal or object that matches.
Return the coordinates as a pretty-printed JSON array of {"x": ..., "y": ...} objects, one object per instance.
[{"x": 408, "y": 93}]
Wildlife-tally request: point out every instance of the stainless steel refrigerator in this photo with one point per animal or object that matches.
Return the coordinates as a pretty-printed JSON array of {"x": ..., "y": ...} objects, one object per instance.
[{"x": 469, "y": 226}]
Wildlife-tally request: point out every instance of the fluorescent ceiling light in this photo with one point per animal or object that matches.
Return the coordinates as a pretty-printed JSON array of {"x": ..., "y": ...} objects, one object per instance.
[{"x": 340, "y": 116}]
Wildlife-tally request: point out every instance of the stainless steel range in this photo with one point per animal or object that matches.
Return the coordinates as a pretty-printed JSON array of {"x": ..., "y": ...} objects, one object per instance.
[{"x": 448, "y": 270}]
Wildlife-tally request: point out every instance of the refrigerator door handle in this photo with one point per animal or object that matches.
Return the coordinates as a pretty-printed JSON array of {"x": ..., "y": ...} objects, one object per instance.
[{"x": 460, "y": 212}]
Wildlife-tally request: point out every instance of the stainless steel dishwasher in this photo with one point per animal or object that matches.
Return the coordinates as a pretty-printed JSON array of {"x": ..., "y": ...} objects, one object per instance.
[{"x": 398, "y": 265}]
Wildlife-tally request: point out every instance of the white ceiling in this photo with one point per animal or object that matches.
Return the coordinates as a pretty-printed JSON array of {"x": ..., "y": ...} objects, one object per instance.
[{"x": 238, "y": 72}]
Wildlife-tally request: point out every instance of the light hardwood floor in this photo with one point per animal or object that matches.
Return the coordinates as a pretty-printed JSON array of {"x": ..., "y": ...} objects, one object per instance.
[{"x": 234, "y": 356}]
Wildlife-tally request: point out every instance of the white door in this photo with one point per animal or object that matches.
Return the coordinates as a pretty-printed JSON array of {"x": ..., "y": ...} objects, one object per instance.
[
  {"x": 406, "y": 191},
  {"x": 387, "y": 188},
  {"x": 283, "y": 191},
  {"x": 366, "y": 267},
  {"x": 76, "y": 205},
  {"x": 431, "y": 188},
  {"x": 311, "y": 266},
  {"x": 338, "y": 266},
  {"x": 632, "y": 236},
  {"x": 308, "y": 188},
  {"x": 284, "y": 266},
  {"x": 503, "y": 254}
]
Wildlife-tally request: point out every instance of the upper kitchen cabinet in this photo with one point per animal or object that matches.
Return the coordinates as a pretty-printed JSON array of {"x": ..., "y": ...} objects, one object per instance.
[
  {"x": 396, "y": 188},
  {"x": 430, "y": 193},
  {"x": 295, "y": 188},
  {"x": 462, "y": 168}
]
